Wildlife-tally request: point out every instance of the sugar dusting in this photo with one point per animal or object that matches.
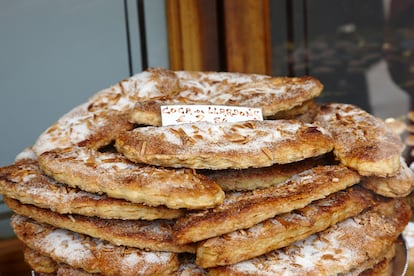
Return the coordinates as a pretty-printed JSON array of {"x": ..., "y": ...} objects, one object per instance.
[
  {"x": 408, "y": 234},
  {"x": 113, "y": 170},
  {"x": 65, "y": 245},
  {"x": 351, "y": 125},
  {"x": 76, "y": 249},
  {"x": 81, "y": 123},
  {"x": 27, "y": 153},
  {"x": 141, "y": 262},
  {"x": 225, "y": 87},
  {"x": 335, "y": 248},
  {"x": 29, "y": 182},
  {"x": 225, "y": 136}
]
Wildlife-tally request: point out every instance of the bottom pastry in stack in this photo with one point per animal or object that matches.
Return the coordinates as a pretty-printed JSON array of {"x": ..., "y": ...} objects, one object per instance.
[{"x": 364, "y": 244}]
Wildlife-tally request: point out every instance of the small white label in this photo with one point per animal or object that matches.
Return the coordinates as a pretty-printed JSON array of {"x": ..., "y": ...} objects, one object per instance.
[{"x": 179, "y": 114}]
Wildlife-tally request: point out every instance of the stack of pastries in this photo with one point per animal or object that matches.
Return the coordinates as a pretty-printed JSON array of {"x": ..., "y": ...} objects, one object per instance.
[{"x": 312, "y": 189}]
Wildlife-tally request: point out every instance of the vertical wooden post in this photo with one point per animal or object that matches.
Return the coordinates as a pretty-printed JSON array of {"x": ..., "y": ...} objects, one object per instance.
[
  {"x": 193, "y": 36},
  {"x": 247, "y": 36},
  {"x": 242, "y": 40}
]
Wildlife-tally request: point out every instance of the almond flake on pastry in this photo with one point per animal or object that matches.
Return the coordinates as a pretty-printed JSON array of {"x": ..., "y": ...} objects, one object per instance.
[
  {"x": 26, "y": 182},
  {"x": 116, "y": 176},
  {"x": 240, "y": 145},
  {"x": 91, "y": 254},
  {"x": 342, "y": 248},
  {"x": 362, "y": 141}
]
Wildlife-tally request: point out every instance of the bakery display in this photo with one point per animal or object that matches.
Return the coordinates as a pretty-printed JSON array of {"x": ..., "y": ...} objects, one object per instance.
[{"x": 309, "y": 189}]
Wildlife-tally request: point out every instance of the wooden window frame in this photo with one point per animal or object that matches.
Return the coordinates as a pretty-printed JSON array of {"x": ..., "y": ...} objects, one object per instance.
[{"x": 219, "y": 35}]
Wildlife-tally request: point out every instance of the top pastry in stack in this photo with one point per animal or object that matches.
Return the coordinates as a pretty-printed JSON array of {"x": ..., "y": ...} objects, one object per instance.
[{"x": 313, "y": 189}]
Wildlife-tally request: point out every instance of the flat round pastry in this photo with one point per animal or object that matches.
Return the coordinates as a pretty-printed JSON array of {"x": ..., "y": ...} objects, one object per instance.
[
  {"x": 38, "y": 262},
  {"x": 97, "y": 122},
  {"x": 283, "y": 229},
  {"x": 342, "y": 248},
  {"x": 153, "y": 235},
  {"x": 362, "y": 141},
  {"x": 272, "y": 94},
  {"x": 205, "y": 145},
  {"x": 116, "y": 176},
  {"x": 241, "y": 210},
  {"x": 91, "y": 254},
  {"x": 26, "y": 182},
  {"x": 399, "y": 185},
  {"x": 43, "y": 264},
  {"x": 257, "y": 178}
]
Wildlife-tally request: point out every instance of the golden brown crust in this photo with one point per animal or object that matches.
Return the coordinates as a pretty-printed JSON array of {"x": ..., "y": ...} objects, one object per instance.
[
  {"x": 362, "y": 141},
  {"x": 241, "y": 145},
  {"x": 257, "y": 178},
  {"x": 92, "y": 255},
  {"x": 272, "y": 95},
  {"x": 244, "y": 209},
  {"x": 99, "y": 120},
  {"x": 305, "y": 111},
  {"x": 65, "y": 270},
  {"x": 148, "y": 112},
  {"x": 116, "y": 176},
  {"x": 399, "y": 185},
  {"x": 102, "y": 183},
  {"x": 25, "y": 181},
  {"x": 286, "y": 93},
  {"x": 42, "y": 263},
  {"x": 384, "y": 267},
  {"x": 38, "y": 262},
  {"x": 148, "y": 235},
  {"x": 284, "y": 229},
  {"x": 341, "y": 248}
]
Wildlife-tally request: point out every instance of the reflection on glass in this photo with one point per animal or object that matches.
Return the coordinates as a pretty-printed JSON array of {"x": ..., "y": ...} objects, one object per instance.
[
  {"x": 360, "y": 50},
  {"x": 399, "y": 44}
]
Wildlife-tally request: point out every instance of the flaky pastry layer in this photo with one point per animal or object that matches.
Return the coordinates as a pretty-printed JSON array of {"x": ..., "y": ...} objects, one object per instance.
[
  {"x": 116, "y": 176},
  {"x": 362, "y": 141},
  {"x": 91, "y": 254},
  {"x": 148, "y": 235},
  {"x": 241, "y": 210},
  {"x": 226, "y": 145},
  {"x": 399, "y": 185},
  {"x": 38, "y": 262},
  {"x": 257, "y": 178},
  {"x": 26, "y": 182},
  {"x": 271, "y": 94},
  {"x": 341, "y": 248},
  {"x": 283, "y": 229}
]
